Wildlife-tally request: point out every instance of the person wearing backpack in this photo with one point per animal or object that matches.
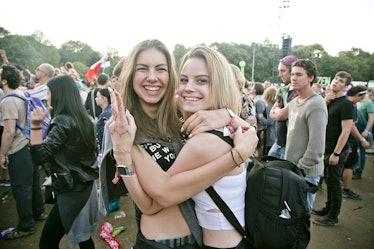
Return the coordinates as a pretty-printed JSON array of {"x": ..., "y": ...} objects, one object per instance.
[
  {"x": 15, "y": 155},
  {"x": 4, "y": 174},
  {"x": 206, "y": 83}
]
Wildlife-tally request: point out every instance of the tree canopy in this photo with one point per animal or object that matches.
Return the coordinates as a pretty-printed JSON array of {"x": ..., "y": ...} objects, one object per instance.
[{"x": 31, "y": 51}]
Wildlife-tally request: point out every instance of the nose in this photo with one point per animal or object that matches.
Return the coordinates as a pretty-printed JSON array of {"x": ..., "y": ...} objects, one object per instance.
[
  {"x": 189, "y": 85},
  {"x": 152, "y": 76}
]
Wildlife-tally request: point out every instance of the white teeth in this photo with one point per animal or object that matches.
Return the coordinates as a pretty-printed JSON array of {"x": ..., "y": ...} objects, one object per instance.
[
  {"x": 191, "y": 98},
  {"x": 152, "y": 88}
]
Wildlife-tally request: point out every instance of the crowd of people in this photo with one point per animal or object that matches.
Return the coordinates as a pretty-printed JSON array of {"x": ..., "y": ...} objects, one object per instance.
[{"x": 164, "y": 135}]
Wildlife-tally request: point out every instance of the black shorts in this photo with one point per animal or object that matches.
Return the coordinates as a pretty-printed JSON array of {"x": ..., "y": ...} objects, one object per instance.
[{"x": 353, "y": 155}]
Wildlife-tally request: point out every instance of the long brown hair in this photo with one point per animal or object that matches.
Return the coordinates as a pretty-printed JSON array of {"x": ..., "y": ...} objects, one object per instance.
[{"x": 166, "y": 125}]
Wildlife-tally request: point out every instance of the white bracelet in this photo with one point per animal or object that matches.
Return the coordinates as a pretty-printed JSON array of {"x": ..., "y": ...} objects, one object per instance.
[{"x": 362, "y": 139}]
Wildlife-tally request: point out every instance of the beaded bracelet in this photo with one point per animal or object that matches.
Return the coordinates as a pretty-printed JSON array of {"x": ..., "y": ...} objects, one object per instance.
[{"x": 35, "y": 128}]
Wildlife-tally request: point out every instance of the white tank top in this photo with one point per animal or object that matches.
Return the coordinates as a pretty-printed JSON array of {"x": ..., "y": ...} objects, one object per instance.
[{"x": 232, "y": 190}]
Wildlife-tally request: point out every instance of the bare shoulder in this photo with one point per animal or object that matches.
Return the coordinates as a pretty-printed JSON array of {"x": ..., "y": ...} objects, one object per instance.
[{"x": 207, "y": 143}]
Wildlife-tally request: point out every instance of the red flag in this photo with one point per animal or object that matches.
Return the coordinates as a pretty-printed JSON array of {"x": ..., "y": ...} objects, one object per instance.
[{"x": 93, "y": 72}]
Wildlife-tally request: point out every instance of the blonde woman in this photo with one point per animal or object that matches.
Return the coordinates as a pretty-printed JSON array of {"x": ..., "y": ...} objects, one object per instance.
[{"x": 205, "y": 83}]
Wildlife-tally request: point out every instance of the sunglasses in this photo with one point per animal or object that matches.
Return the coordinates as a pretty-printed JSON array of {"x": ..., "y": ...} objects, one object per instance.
[{"x": 362, "y": 93}]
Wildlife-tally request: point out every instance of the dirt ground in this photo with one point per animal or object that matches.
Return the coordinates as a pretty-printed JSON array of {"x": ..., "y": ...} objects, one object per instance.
[{"x": 356, "y": 229}]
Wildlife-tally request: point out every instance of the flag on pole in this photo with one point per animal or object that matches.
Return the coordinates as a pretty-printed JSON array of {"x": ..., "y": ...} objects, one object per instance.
[{"x": 93, "y": 71}]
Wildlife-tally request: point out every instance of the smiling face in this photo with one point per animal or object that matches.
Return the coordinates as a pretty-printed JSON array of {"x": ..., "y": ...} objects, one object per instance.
[
  {"x": 151, "y": 78},
  {"x": 194, "y": 92}
]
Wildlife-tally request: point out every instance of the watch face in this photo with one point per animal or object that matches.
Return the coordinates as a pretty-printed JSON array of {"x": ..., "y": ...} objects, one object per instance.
[{"x": 123, "y": 170}]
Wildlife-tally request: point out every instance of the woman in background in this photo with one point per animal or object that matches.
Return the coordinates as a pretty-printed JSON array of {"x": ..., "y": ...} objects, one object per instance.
[
  {"x": 71, "y": 149},
  {"x": 103, "y": 100},
  {"x": 269, "y": 98}
]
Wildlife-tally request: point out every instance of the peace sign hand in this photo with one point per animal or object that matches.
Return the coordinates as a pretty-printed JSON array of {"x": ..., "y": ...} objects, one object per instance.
[{"x": 122, "y": 129}]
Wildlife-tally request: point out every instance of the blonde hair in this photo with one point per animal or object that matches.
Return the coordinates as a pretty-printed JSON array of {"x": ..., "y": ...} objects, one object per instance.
[
  {"x": 222, "y": 84},
  {"x": 269, "y": 95},
  {"x": 240, "y": 79}
]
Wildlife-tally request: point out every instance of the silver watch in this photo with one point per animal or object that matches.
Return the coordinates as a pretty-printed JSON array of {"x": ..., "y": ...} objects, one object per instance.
[{"x": 125, "y": 170}]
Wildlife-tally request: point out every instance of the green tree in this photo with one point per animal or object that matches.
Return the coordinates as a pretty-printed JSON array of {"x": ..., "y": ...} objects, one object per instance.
[
  {"x": 20, "y": 51},
  {"x": 46, "y": 51},
  {"x": 78, "y": 51},
  {"x": 179, "y": 51},
  {"x": 31, "y": 51}
]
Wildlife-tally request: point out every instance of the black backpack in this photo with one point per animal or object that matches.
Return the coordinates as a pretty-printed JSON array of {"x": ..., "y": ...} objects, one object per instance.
[{"x": 276, "y": 210}]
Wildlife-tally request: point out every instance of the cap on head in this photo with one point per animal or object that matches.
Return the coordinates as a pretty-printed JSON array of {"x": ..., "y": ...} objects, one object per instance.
[
  {"x": 288, "y": 60},
  {"x": 361, "y": 90}
]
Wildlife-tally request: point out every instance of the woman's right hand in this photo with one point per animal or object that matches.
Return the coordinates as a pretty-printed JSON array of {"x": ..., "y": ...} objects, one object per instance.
[
  {"x": 37, "y": 116},
  {"x": 246, "y": 141},
  {"x": 122, "y": 129}
]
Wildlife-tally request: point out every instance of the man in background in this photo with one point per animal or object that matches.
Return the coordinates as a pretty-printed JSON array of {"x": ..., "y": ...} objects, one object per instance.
[
  {"x": 307, "y": 121},
  {"x": 15, "y": 155},
  {"x": 355, "y": 95},
  {"x": 284, "y": 95},
  {"x": 365, "y": 124},
  {"x": 339, "y": 125},
  {"x": 43, "y": 73}
]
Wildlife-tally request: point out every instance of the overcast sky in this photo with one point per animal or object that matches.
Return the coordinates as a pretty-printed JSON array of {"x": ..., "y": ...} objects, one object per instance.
[{"x": 336, "y": 24}]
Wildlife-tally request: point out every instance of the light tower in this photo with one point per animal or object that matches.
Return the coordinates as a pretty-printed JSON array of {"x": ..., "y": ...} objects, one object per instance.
[{"x": 286, "y": 39}]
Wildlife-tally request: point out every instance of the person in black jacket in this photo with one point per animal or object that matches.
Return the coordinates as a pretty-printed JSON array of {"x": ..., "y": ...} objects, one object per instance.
[{"x": 71, "y": 149}]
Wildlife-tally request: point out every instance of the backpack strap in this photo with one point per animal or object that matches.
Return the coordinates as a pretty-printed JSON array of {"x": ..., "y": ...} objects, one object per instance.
[
  {"x": 14, "y": 95},
  {"x": 20, "y": 97},
  {"x": 221, "y": 204},
  {"x": 219, "y": 134},
  {"x": 188, "y": 212},
  {"x": 93, "y": 103}
]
